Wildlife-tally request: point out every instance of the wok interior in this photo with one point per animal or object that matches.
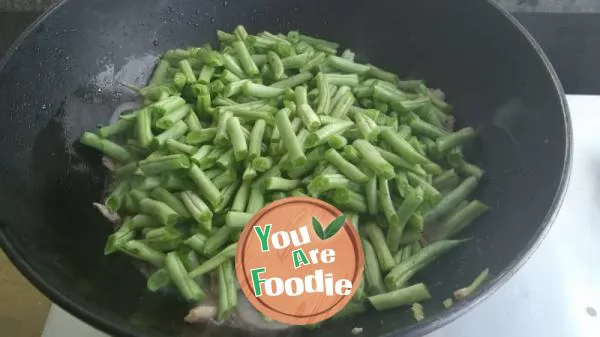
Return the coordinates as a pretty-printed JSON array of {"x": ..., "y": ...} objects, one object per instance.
[{"x": 65, "y": 78}]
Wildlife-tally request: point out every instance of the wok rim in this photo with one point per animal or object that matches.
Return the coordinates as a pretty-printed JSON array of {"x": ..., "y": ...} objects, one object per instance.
[{"x": 90, "y": 317}]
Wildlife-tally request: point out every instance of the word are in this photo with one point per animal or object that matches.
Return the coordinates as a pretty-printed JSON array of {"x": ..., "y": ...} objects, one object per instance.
[
  {"x": 300, "y": 258},
  {"x": 296, "y": 286}
]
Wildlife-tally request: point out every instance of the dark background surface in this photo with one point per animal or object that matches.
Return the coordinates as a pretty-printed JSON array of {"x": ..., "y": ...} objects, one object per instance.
[
  {"x": 571, "y": 40},
  {"x": 562, "y": 6}
]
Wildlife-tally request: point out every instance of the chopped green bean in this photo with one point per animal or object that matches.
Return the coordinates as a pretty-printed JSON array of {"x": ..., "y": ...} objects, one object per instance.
[
  {"x": 275, "y": 64},
  {"x": 215, "y": 261},
  {"x": 410, "y": 235},
  {"x": 119, "y": 127},
  {"x": 180, "y": 80},
  {"x": 377, "y": 239},
  {"x": 224, "y": 179},
  {"x": 163, "y": 239},
  {"x": 350, "y": 200},
  {"x": 143, "y": 221},
  {"x": 229, "y": 77},
  {"x": 372, "y": 196},
  {"x": 167, "y": 105},
  {"x": 141, "y": 251},
  {"x": 196, "y": 242},
  {"x": 280, "y": 184},
  {"x": 295, "y": 61},
  {"x": 463, "y": 293},
  {"x": 373, "y": 159},
  {"x": 350, "y": 80},
  {"x": 169, "y": 119},
  {"x": 446, "y": 180},
  {"x": 162, "y": 195},
  {"x": 144, "y": 127},
  {"x": 177, "y": 147},
  {"x": 232, "y": 65},
  {"x": 238, "y": 141},
  {"x": 249, "y": 174},
  {"x": 397, "y": 298},
  {"x": 372, "y": 271},
  {"x": 348, "y": 169},
  {"x": 256, "y": 200},
  {"x": 230, "y": 283},
  {"x": 367, "y": 127},
  {"x": 188, "y": 288},
  {"x": 416, "y": 221},
  {"x": 261, "y": 91},
  {"x": 114, "y": 200},
  {"x": 403, "y": 148},
  {"x": 452, "y": 199},
  {"x": 205, "y": 186},
  {"x": 319, "y": 44},
  {"x": 293, "y": 81},
  {"x": 228, "y": 193},
  {"x": 187, "y": 70},
  {"x": 447, "y": 142},
  {"x": 387, "y": 206},
  {"x": 174, "y": 132},
  {"x": 160, "y": 211},
  {"x": 426, "y": 129},
  {"x": 346, "y": 65},
  {"x": 323, "y": 134},
  {"x": 237, "y": 220},
  {"x": 459, "y": 220},
  {"x": 429, "y": 191},
  {"x": 197, "y": 208},
  {"x": 418, "y": 313},
  {"x": 382, "y": 74},
  {"x": 307, "y": 114},
  {"x": 162, "y": 164},
  {"x": 337, "y": 142},
  {"x": 216, "y": 241},
  {"x": 206, "y": 74},
  {"x": 261, "y": 164},
  {"x": 468, "y": 169},
  {"x": 158, "y": 280},
  {"x": 406, "y": 209},
  {"x": 343, "y": 106},
  {"x": 241, "y": 198},
  {"x": 105, "y": 146},
  {"x": 137, "y": 195},
  {"x": 159, "y": 75},
  {"x": 116, "y": 240},
  {"x": 289, "y": 139},
  {"x": 330, "y": 181},
  {"x": 201, "y": 136},
  {"x": 245, "y": 59},
  {"x": 324, "y": 95},
  {"x": 401, "y": 273},
  {"x": 148, "y": 183}
]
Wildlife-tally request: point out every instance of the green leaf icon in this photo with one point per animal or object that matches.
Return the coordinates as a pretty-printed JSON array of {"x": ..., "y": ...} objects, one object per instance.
[
  {"x": 318, "y": 229},
  {"x": 334, "y": 226}
]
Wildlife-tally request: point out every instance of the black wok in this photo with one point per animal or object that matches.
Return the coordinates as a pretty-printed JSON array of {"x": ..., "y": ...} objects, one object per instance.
[{"x": 63, "y": 77}]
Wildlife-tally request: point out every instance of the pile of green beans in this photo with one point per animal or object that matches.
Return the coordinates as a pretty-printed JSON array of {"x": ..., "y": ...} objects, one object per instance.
[{"x": 224, "y": 132}]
